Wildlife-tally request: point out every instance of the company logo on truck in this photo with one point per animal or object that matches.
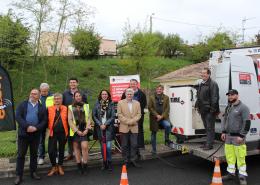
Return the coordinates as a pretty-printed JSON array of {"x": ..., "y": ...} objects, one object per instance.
[
  {"x": 177, "y": 100},
  {"x": 245, "y": 78}
]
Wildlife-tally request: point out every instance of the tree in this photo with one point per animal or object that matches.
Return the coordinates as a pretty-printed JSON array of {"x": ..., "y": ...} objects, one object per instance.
[
  {"x": 200, "y": 52},
  {"x": 171, "y": 45},
  {"x": 86, "y": 41},
  {"x": 14, "y": 40},
  {"x": 219, "y": 41},
  {"x": 40, "y": 10}
]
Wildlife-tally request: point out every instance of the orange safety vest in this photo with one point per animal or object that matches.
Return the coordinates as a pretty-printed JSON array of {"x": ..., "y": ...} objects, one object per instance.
[{"x": 63, "y": 116}]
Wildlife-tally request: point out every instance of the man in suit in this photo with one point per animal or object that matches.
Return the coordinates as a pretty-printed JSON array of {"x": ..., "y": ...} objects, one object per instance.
[
  {"x": 129, "y": 113},
  {"x": 31, "y": 118}
]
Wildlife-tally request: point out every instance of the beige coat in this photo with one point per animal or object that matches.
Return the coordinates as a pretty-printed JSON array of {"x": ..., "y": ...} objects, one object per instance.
[{"x": 128, "y": 121}]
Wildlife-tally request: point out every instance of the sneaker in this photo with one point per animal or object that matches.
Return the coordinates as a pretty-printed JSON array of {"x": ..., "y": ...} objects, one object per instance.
[
  {"x": 228, "y": 177},
  {"x": 242, "y": 180},
  {"x": 40, "y": 161}
]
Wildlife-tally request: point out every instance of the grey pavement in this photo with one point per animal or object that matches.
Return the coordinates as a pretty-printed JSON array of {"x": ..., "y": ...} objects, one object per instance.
[
  {"x": 179, "y": 170},
  {"x": 7, "y": 166}
]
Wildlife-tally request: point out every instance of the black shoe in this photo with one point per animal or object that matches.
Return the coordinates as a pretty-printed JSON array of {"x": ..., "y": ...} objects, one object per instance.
[
  {"x": 80, "y": 168},
  {"x": 84, "y": 167},
  {"x": 228, "y": 177},
  {"x": 242, "y": 180},
  {"x": 207, "y": 148},
  {"x": 35, "y": 176},
  {"x": 109, "y": 166},
  {"x": 136, "y": 165},
  {"x": 18, "y": 180},
  {"x": 104, "y": 166}
]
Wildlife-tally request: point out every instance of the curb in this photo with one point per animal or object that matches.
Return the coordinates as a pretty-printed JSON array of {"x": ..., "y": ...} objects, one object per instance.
[{"x": 94, "y": 161}]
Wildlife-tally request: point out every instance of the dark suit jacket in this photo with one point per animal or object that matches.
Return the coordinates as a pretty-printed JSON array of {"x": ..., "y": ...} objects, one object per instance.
[{"x": 21, "y": 113}]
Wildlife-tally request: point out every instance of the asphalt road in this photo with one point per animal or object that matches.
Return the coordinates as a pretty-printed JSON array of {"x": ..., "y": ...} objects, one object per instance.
[{"x": 195, "y": 171}]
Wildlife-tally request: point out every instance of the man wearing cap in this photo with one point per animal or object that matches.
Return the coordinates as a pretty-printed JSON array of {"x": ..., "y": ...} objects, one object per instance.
[
  {"x": 235, "y": 126},
  {"x": 208, "y": 106}
]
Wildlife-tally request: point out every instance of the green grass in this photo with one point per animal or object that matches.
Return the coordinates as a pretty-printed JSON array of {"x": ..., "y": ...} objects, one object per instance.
[{"x": 92, "y": 74}]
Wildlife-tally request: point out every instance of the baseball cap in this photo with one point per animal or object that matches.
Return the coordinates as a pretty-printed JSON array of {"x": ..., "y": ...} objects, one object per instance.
[{"x": 232, "y": 92}]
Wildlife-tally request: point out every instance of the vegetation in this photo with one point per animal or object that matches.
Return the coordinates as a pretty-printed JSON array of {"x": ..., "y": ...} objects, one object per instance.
[
  {"x": 86, "y": 42},
  {"x": 14, "y": 36},
  {"x": 93, "y": 74}
]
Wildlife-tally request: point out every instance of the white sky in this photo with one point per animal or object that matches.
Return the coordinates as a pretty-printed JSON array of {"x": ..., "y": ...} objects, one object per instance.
[{"x": 111, "y": 16}]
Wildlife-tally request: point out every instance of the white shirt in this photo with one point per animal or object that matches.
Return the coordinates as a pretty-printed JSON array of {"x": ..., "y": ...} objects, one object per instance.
[{"x": 130, "y": 105}]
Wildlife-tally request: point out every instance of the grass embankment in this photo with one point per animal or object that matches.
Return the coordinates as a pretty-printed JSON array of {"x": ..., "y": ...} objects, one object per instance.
[{"x": 93, "y": 76}]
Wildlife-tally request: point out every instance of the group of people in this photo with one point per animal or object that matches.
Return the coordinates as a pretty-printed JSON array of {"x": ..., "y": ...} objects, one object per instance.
[{"x": 66, "y": 118}]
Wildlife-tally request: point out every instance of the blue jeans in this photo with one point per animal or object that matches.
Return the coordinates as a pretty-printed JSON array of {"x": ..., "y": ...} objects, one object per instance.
[
  {"x": 109, "y": 146},
  {"x": 167, "y": 128},
  {"x": 41, "y": 147}
]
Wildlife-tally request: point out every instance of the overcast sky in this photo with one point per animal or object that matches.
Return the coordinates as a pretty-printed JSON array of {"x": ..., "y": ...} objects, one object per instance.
[{"x": 191, "y": 19}]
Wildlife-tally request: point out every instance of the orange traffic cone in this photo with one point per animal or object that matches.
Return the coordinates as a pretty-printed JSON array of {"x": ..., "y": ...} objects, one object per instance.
[
  {"x": 217, "y": 179},
  {"x": 124, "y": 179}
]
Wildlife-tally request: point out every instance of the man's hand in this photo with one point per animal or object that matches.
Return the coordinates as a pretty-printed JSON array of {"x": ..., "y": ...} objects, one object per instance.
[
  {"x": 240, "y": 140},
  {"x": 158, "y": 118},
  {"x": 223, "y": 137},
  {"x": 31, "y": 129},
  {"x": 103, "y": 127}
]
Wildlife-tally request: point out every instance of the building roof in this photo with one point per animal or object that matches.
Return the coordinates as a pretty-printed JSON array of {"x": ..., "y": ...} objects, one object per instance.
[{"x": 189, "y": 72}]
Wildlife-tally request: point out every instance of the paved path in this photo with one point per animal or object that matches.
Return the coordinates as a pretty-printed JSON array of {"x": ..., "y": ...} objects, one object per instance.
[{"x": 196, "y": 171}]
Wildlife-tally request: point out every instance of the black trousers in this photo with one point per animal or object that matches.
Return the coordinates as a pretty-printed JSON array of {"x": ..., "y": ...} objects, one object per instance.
[
  {"x": 129, "y": 146},
  {"x": 32, "y": 142},
  {"x": 209, "y": 119},
  {"x": 141, "y": 132},
  {"x": 60, "y": 139}
]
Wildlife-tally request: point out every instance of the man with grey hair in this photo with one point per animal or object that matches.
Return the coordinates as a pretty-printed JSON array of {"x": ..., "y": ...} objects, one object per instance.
[
  {"x": 46, "y": 98},
  {"x": 129, "y": 113},
  {"x": 31, "y": 119},
  {"x": 58, "y": 127}
]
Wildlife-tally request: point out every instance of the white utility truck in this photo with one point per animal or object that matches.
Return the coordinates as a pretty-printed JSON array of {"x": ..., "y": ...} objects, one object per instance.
[{"x": 236, "y": 68}]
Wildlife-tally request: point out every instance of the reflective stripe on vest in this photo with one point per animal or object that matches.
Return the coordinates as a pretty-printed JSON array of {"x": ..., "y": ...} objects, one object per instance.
[
  {"x": 86, "y": 109},
  {"x": 49, "y": 101}
]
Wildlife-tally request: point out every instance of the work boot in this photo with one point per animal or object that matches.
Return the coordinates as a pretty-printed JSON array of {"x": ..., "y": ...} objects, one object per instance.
[
  {"x": 84, "y": 167},
  {"x": 109, "y": 166},
  {"x": 242, "y": 180},
  {"x": 18, "y": 180},
  {"x": 229, "y": 176},
  {"x": 52, "y": 171},
  {"x": 35, "y": 176},
  {"x": 60, "y": 170},
  {"x": 80, "y": 168},
  {"x": 104, "y": 166}
]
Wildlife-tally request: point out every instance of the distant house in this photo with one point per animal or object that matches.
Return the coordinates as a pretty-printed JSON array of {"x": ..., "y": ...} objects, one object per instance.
[
  {"x": 65, "y": 47},
  {"x": 185, "y": 76}
]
